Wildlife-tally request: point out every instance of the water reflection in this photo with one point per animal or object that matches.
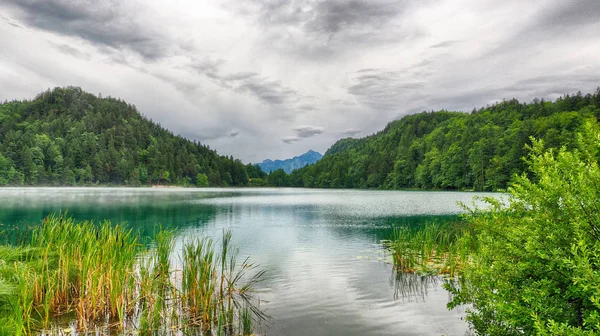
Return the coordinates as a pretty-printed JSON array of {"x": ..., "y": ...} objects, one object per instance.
[
  {"x": 412, "y": 286},
  {"x": 327, "y": 272}
]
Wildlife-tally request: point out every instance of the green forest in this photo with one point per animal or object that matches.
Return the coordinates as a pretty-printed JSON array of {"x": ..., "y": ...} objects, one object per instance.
[
  {"x": 480, "y": 150},
  {"x": 70, "y": 137},
  {"x": 67, "y": 136}
]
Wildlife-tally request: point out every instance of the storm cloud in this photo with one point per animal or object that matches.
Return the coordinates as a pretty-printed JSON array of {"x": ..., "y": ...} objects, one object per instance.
[
  {"x": 319, "y": 29},
  {"x": 106, "y": 23},
  {"x": 263, "y": 79}
]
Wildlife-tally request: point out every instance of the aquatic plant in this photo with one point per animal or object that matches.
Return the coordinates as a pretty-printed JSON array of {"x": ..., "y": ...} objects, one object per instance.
[
  {"x": 433, "y": 249},
  {"x": 102, "y": 276}
]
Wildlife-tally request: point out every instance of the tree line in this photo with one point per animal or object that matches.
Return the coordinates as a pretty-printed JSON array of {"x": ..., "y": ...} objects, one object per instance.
[
  {"x": 480, "y": 150},
  {"x": 67, "y": 136}
]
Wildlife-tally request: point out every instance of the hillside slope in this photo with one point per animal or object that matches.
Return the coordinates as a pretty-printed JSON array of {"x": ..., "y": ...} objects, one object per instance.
[
  {"x": 67, "y": 136},
  {"x": 292, "y": 164},
  {"x": 452, "y": 150}
]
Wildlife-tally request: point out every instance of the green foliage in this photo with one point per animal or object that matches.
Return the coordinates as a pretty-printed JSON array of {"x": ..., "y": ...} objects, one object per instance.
[
  {"x": 535, "y": 265},
  {"x": 278, "y": 178},
  {"x": 254, "y": 171},
  {"x": 70, "y": 137},
  {"x": 103, "y": 278},
  {"x": 450, "y": 150},
  {"x": 7, "y": 171},
  {"x": 201, "y": 180}
]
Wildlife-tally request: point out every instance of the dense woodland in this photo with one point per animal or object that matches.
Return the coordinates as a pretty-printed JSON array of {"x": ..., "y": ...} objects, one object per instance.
[
  {"x": 69, "y": 137},
  {"x": 449, "y": 150}
]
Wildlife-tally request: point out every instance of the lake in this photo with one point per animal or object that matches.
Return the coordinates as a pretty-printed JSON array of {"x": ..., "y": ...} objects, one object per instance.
[{"x": 327, "y": 273}]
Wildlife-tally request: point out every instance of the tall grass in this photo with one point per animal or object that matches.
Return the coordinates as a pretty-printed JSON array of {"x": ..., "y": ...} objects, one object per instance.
[
  {"x": 216, "y": 288},
  {"x": 434, "y": 248},
  {"x": 102, "y": 275}
]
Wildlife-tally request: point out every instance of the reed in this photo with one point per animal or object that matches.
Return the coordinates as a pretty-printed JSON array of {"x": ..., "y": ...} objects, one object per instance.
[
  {"x": 215, "y": 288},
  {"x": 434, "y": 248},
  {"x": 105, "y": 278}
]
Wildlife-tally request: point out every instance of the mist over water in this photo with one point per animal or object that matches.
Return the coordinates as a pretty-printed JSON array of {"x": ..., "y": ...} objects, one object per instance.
[{"x": 327, "y": 272}]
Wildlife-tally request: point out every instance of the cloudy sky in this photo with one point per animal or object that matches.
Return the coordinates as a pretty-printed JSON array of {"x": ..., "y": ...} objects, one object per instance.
[{"x": 263, "y": 79}]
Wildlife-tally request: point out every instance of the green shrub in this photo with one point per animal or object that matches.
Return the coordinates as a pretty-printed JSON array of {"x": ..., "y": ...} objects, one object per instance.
[{"x": 535, "y": 267}]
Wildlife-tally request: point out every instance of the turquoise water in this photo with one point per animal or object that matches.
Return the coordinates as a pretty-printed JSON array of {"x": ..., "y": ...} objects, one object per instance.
[{"x": 326, "y": 271}]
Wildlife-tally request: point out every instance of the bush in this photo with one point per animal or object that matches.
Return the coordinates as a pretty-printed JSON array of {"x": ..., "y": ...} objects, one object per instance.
[
  {"x": 535, "y": 268},
  {"x": 201, "y": 180}
]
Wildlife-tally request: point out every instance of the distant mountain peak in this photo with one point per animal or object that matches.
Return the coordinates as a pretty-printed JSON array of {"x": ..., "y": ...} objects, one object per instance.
[{"x": 289, "y": 165}]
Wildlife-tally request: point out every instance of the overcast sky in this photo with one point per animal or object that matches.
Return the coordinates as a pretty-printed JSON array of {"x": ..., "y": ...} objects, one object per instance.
[{"x": 272, "y": 79}]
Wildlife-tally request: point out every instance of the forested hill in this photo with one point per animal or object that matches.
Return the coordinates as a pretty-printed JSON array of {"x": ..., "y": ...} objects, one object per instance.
[
  {"x": 450, "y": 150},
  {"x": 70, "y": 137}
]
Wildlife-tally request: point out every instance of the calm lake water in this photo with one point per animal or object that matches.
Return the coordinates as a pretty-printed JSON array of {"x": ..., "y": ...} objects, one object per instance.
[{"x": 327, "y": 273}]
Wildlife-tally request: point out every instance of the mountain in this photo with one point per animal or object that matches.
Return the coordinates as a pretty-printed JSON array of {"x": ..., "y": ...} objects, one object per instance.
[
  {"x": 67, "y": 136},
  {"x": 480, "y": 150},
  {"x": 292, "y": 164}
]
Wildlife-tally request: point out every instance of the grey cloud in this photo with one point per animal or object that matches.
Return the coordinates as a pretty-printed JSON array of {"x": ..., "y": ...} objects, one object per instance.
[
  {"x": 184, "y": 86},
  {"x": 10, "y": 21},
  {"x": 240, "y": 76},
  {"x": 290, "y": 139},
  {"x": 558, "y": 84},
  {"x": 207, "y": 66},
  {"x": 320, "y": 29},
  {"x": 307, "y": 131},
  {"x": 466, "y": 101},
  {"x": 307, "y": 107},
  {"x": 551, "y": 86},
  {"x": 444, "y": 44},
  {"x": 349, "y": 132},
  {"x": 549, "y": 24},
  {"x": 383, "y": 89},
  {"x": 328, "y": 17},
  {"x": 571, "y": 14},
  {"x": 367, "y": 70},
  {"x": 210, "y": 135},
  {"x": 268, "y": 91},
  {"x": 69, "y": 50},
  {"x": 342, "y": 102},
  {"x": 102, "y": 23},
  {"x": 303, "y": 132},
  {"x": 424, "y": 62}
]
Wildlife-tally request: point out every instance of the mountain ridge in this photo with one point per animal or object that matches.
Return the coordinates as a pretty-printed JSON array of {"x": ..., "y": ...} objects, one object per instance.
[{"x": 291, "y": 164}]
